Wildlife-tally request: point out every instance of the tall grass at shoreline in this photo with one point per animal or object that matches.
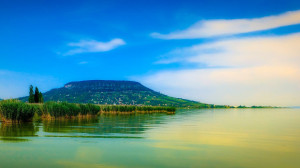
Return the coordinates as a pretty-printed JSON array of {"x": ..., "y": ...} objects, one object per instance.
[
  {"x": 17, "y": 111},
  {"x": 68, "y": 110}
]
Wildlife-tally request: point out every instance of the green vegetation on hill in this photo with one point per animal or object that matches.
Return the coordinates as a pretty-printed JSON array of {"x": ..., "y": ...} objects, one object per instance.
[{"x": 115, "y": 93}]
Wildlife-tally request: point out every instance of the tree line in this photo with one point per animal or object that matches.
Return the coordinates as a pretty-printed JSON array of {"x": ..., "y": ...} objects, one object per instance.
[{"x": 36, "y": 96}]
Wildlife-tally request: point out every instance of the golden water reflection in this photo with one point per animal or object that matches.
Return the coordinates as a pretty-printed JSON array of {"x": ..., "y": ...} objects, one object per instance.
[
  {"x": 226, "y": 138},
  {"x": 249, "y": 138}
]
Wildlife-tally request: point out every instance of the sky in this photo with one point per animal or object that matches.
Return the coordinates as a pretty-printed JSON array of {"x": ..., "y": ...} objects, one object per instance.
[{"x": 219, "y": 52}]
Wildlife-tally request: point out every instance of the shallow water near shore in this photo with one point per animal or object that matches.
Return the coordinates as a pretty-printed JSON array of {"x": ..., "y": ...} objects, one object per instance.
[{"x": 190, "y": 138}]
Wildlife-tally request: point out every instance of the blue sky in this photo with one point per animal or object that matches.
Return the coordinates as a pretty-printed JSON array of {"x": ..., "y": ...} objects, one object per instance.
[{"x": 49, "y": 43}]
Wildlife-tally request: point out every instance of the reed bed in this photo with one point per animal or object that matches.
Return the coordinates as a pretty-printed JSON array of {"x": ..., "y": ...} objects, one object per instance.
[
  {"x": 68, "y": 110},
  {"x": 17, "y": 111}
]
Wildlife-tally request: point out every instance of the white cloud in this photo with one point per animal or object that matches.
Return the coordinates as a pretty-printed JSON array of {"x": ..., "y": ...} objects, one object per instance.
[
  {"x": 210, "y": 28},
  {"x": 251, "y": 51},
  {"x": 86, "y": 46},
  {"x": 258, "y": 71}
]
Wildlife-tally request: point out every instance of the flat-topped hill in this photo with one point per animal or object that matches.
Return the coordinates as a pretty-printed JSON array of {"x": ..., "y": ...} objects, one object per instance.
[{"x": 113, "y": 92}]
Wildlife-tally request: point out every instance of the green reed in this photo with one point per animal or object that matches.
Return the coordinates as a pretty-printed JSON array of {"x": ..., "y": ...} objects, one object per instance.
[
  {"x": 16, "y": 111},
  {"x": 65, "y": 109}
]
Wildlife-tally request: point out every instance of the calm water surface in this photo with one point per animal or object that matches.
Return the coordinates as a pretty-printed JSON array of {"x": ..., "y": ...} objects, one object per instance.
[{"x": 190, "y": 138}]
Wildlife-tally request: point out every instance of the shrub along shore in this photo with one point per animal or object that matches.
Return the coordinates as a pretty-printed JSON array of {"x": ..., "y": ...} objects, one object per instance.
[{"x": 16, "y": 111}]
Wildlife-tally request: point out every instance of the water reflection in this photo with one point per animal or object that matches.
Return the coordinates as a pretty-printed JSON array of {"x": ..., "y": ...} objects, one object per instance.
[
  {"x": 104, "y": 126},
  {"x": 192, "y": 138},
  {"x": 68, "y": 126},
  {"x": 13, "y": 132}
]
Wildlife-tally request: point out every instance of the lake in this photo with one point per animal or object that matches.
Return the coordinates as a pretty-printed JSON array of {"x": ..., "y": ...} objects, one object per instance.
[{"x": 226, "y": 138}]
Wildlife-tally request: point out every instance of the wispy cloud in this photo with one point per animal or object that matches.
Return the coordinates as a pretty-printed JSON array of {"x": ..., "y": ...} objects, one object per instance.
[
  {"x": 87, "y": 46},
  {"x": 211, "y": 28},
  {"x": 240, "y": 52},
  {"x": 259, "y": 70}
]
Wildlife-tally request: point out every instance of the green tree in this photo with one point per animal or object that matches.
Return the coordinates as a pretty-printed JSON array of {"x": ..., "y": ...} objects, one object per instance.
[
  {"x": 31, "y": 95},
  {"x": 41, "y": 99},
  {"x": 36, "y": 95}
]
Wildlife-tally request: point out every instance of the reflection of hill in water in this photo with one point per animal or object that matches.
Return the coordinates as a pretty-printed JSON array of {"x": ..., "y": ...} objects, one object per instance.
[{"x": 106, "y": 126}]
